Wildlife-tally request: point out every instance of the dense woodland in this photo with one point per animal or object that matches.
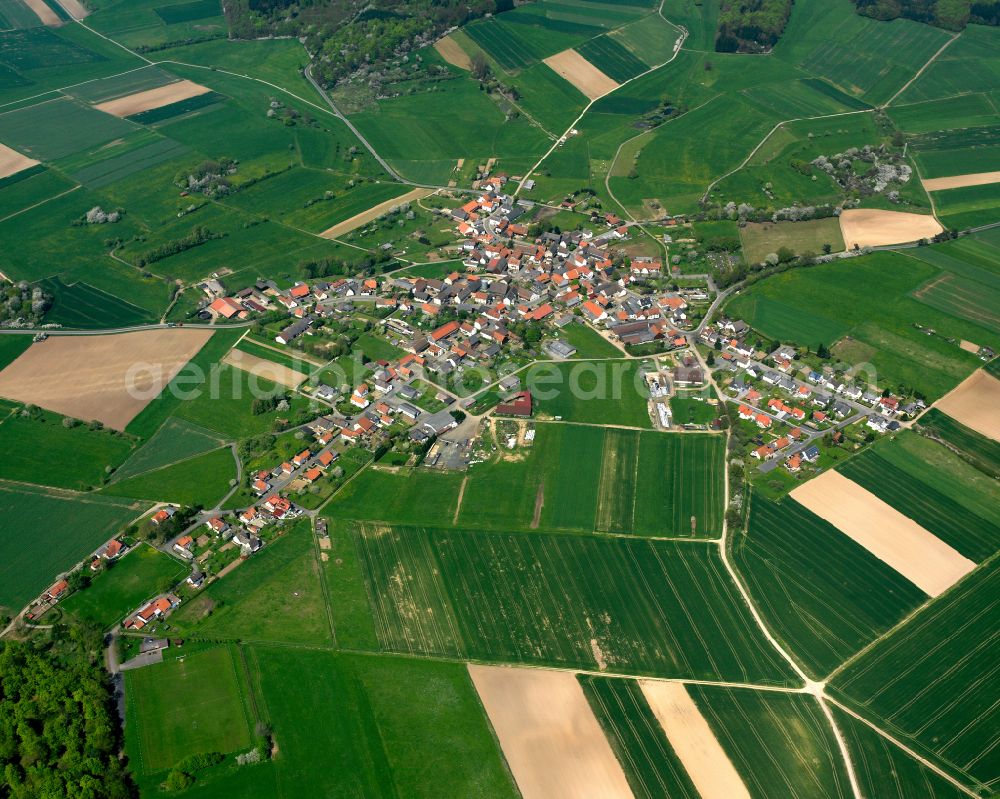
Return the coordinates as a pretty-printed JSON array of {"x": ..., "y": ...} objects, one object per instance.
[
  {"x": 59, "y": 736},
  {"x": 751, "y": 26},
  {"x": 377, "y": 30},
  {"x": 950, "y": 14}
]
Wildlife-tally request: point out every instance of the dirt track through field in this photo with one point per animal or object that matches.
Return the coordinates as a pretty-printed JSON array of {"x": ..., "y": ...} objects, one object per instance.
[
  {"x": 374, "y": 212},
  {"x": 975, "y": 403},
  {"x": 43, "y": 12},
  {"x": 452, "y": 52},
  {"x": 152, "y": 98},
  {"x": 89, "y": 377},
  {"x": 12, "y": 162},
  {"x": 870, "y": 227},
  {"x": 898, "y": 541},
  {"x": 572, "y": 66},
  {"x": 263, "y": 368},
  {"x": 548, "y": 733},
  {"x": 704, "y": 759},
  {"x": 961, "y": 181}
]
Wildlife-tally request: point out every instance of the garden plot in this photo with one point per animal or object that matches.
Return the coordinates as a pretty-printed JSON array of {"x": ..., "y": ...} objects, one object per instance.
[
  {"x": 265, "y": 369},
  {"x": 705, "y": 761},
  {"x": 869, "y": 227},
  {"x": 921, "y": 557},
  {"x": 572, "y": 66},
  {"x": 12, "y": 162},
  {"x": 152, "y": 98},
  {"x": 961, "y": 181},
  {"x": 974, "y": 403},
  {"x": 110, "y": 378},
  {"x": 548, "y": 733}
]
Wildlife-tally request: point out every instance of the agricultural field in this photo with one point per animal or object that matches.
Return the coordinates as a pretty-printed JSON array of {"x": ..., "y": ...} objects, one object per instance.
[
  {"x": 122, "y": 587},
  {"x": 39, "y": 448},
  {"x": 841, "y": 301},
  {"x": 980, "y": 451},
  {"x": 825, "y": 596},
  {"x": 213, "y": 717},
  {"x": 650, "y": 765},
  {"x": 916, "y": 680},
  {"x": 814, "y": 236},
  {"x": 200, "y": 480},
  {"x": 76, "y": 525},
  {"x": 175, "y": 441},
  {"x": 513, "y": 598},
  {"x": 595, "y": 392}
]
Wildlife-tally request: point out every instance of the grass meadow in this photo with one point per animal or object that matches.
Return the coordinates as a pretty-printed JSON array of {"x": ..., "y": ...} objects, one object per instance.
[
  {"x": 932, "y": 682},
  {"x": 185, "y": 706},
  {"x": 75, "y": 525},
  {"x": 761, "y": 239},
  {"x": 176, "y": 440},
  {"x": 200, "y": 480},
  {"x": 561, "y": 600},
  {"x": 39, "y": 449},
  {"x": 825, "y": 596},
  {"x": 634, "y": 733},
  {"x": 124, "y": 585},
  {"x": 981, "y": 452},
  {"x": 595, "y": 392}
]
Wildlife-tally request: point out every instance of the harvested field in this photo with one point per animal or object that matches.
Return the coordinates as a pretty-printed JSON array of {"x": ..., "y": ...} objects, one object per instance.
[
  {"x": 974, "y": 403},
  {"x": 572, "y": 66},
  {"x": 705, "y": 761},
  {"x": 152, "y": 98},
  {"x": 921, "y": 557},
  {"x": 267, "y": 370},
  {"x": 961, "y": 181},
  {"x": 74, "y": 8},
  {"x": 109, "y": 378},
  {"x": 553, "y": 744},
  {"x": 452, "y": 52},
  {"x": 969, "y": 346},
  {"x": 374, "y": 212},
  {"x": 12, "y": 162},
  {"x": 43, "y": 12},
  {"x": 868, "y": 227}
]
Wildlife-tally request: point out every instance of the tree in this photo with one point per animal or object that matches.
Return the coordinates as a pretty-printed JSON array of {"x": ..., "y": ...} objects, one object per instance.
[
  {"x": 827, "y": 248},
  {"x": 822, "y": 351}
]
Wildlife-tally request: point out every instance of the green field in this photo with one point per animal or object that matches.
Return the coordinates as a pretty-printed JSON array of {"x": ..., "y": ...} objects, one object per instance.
[
  {"x": 80, "y": 305},
  {"x": 613, "y": 59},
  {"x": 650, "y": 764},
  {"x": 588, "y": 342},
  {"x": 621, "y": 604},
  {"x": 39, "y": 449},
  {"x": 824, "y": 596},
  {"x": 174, "y": 441},
  {"x": 981, "y": 452},
  {"x": 11, "y": 348},
  {"x": 761, "y": 239},
  {"x": 200, "y": 480},
  {"x": 869, "y": 300},
  {"x": 932, "y": 682},
  {"x": 46, "y": 532},
  {"x": 596, "y": 392},
  {"x": 915, "y": 489},
  {"x": 409, "y": 496},
  {"x": 276, "y": 598},
  {"x": 29, "y": 187},
  {"x": 120, "y": 588},
  {"x": 57, "y": 128},
  {"x": 687, "y": 409},
  {"x": 781, "y": 744},
  {"x": 213, "y": 717},
  {"x": 960, "y": 209}
]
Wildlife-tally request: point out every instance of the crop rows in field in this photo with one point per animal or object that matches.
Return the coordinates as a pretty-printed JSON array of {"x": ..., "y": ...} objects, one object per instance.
[
  {"x": 57, "y": 128},
  {"x": 122, "y": 166},
  {"x": 173, "y": 442},
  {"x": 502, "y": 43},
  {"x": 177, "y": 109},
  {"x": 634, "y": 733},
  {"x": 612, "y": 59},
  {"x": 968, "y": 207},
  {"x": 816, "y": 586},
  {"x": 927, "y": 504},
  {"x": 653, "y": 607},
  {"x": 934, "y": 681},
  {"x": 82, "y": 305}
]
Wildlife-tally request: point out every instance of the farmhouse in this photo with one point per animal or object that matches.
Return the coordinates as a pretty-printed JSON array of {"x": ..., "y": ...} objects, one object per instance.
[{"x": 519, "y": 405}]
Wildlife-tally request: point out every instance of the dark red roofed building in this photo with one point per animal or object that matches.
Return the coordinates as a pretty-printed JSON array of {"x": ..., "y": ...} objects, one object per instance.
[{"x": 520, "y": 405}]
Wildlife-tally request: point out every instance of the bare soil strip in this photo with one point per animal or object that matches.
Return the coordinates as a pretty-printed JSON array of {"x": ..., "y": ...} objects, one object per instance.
[
  {"x": 461, "y": 496},
  {"x": 705, "y": 761},
  {"x": 969, "y": 346},
  {"x": 12, "y": 162},
  {"x": 74, "y": 8},
  {"x": 572, "y": 66},
  {"x": 152, "y": 98},
  {"x": 374, "y": 212},
  {"x": 548, "y": 733},
  {"x": 263, "y": 368},
  {"x": 974, "y": 403},
  {"x": 920, "y": 556},
  {"x": 109, "y": 378},
  {"x": 452, "y": 52},
  {"x": 539, "y": 503},
  {"x": 961, "y": 181},
  {"x": 870, "y": 227},
  {"x": 43, "y": 12}
]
